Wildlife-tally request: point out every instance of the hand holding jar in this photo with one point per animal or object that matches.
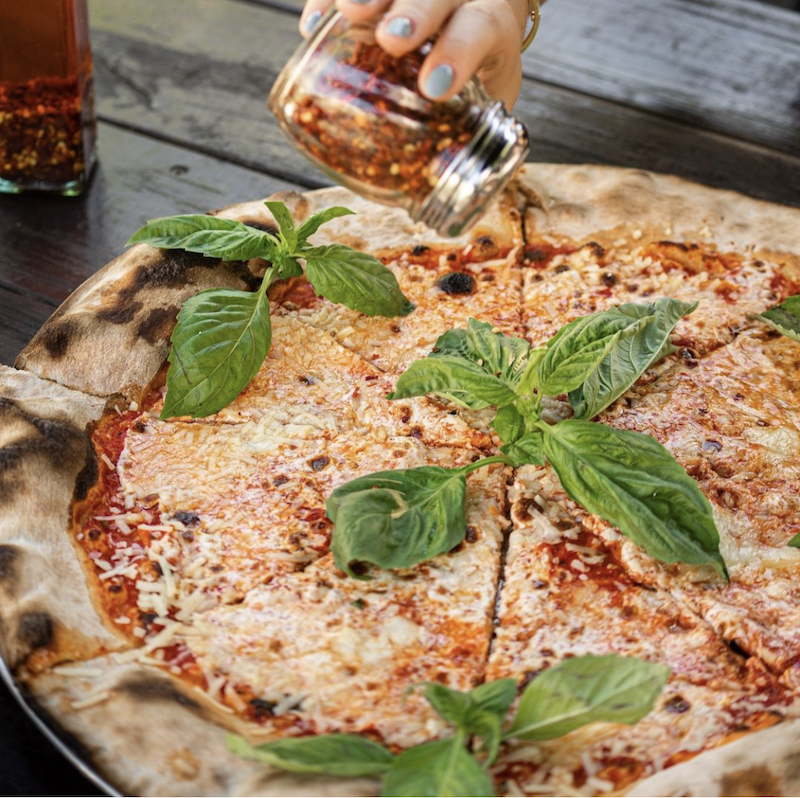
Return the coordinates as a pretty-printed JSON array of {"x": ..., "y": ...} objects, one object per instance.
[{"x": 482, "y": 37}]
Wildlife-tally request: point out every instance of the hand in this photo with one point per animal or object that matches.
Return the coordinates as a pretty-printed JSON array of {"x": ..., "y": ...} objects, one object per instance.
[{"x": 475, "y": 36}]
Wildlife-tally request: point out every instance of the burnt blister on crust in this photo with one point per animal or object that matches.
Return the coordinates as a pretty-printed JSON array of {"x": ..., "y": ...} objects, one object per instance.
[
  {"x": 148, "y": 689},
  {"x": 66, "y": 449},
  {"x": 35, "y": 630}
]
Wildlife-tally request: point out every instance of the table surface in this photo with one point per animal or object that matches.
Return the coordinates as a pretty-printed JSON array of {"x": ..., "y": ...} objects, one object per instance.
[{"x": 705, "y": 89}]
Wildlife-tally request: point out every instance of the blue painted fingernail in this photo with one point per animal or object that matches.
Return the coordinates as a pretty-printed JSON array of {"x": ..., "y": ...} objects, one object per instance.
[
  {"x": 402, "y": 27},
  {"x": 313, "y": 18},
  {"x": 439, "y": 81}
]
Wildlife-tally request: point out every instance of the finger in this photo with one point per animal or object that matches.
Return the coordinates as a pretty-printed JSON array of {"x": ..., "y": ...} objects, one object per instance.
[
  {"x": 361, "y": 10},
  {"x": 409, "y": 23},
  {"x": 312, "y": 14},
  {"x": 481, "y": 35}
]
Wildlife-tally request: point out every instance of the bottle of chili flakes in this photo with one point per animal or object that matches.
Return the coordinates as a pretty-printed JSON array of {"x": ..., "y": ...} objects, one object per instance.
[
  {"x": 356, "y": 112},
  {"x": 47, "y": 126}
]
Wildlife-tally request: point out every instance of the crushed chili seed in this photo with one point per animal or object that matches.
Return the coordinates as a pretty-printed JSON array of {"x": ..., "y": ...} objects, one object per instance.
[
  {"x": 41, "y": 131},
  {"x": 362, "y": 117}
]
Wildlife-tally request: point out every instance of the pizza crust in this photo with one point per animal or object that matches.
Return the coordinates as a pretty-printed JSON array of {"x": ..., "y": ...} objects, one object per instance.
[{"x": 45, "y": 458}]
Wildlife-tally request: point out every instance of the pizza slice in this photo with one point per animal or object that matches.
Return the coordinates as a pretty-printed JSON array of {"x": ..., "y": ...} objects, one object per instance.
[
  {"x": 732, "y": 420},
  {"x": 566, "y": 594}
]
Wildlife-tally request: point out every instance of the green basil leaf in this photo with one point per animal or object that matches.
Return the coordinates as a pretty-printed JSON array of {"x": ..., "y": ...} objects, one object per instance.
[
  {"x": 218, "y": 345},
  {"x": 440, "y": 768},
  {"x": 528, "y": 449},
  {"x": 579, "y": 347},
  {"x": 455, "y": 379},
  {"x": 785, "y": 318},
  {"x": 287, "y": 265},
  {"x": 502, "y": 356},
  {"x": 286, "y": 224},
  {"x": 529, "y": 379},
  {"x": 313, "y": 223},
  {"x": 397, "y": 519},
  {"x": 327, "y": 755},
  {"x": 631, "y": 355},
  {"x": 795, "y": 541},
  {"x": 355, "y": 280},
  {"x": 452, "y": 705},
  {"x": 634, "y": 483},
  {"x": 585, "y": 690},
  {"x": 208, "y": 235},
  {"x": 509, "y": 424},
  {"x": 496, "y": 696}
]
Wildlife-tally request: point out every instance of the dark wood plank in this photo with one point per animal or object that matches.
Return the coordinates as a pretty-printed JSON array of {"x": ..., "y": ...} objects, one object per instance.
[
  {"x": 52, "y": 244},
  {"x": 21, "y": 315},
  {"x": 731, "y": 66},
  {"x": 152, "y": 75}
]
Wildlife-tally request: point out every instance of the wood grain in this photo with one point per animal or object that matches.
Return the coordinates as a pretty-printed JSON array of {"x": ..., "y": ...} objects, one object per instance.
[
  {"x": 731, "y": 66},
  {"x": 52, "y": 244},
  {"x": 156, "y": 74}
]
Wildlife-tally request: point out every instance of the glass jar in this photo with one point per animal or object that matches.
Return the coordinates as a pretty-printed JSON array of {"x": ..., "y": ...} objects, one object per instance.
[
  {"x": 356, "y": 112},
  {"x": 47, "y": 126}
]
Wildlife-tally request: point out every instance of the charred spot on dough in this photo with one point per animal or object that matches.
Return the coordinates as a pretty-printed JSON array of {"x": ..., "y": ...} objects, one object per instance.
[
  {"x": 88, "y": 474},
  {"x": 158, "y": 324},
  {"x": 120, "y": 312},
  {"x": 57, "y": 336},
  {"x": 9, "y": 565},
  {"x": 35, "y": 629},
  {"x": 457, "y": 283},
  {"x": 753, "y": 780},
  {"x": 147, "y": 689}
]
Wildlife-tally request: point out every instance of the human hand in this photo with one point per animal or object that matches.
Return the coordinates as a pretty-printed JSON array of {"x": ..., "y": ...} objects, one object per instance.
[{"x": 475, "y": 36}]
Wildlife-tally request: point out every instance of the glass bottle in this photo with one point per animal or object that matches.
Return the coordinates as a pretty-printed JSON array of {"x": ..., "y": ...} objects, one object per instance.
[
  {"x": 356, "y": 112},
  {"x": 47, "y": 126}
]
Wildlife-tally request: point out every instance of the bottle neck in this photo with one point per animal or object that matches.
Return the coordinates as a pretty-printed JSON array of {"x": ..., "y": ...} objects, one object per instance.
[{"x": 498, "y": 148}]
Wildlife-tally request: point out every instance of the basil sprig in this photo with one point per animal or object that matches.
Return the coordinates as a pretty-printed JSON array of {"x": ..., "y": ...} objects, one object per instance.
[
  {"x": 785, "y": 318},
  {"x": 400, "y": 518},
  {"x": 562, "y": 699},
  {"x": 222, "y": 336}
]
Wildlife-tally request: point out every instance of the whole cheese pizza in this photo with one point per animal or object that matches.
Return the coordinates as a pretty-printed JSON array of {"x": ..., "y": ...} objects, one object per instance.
[{"x": 222, "y": 600}]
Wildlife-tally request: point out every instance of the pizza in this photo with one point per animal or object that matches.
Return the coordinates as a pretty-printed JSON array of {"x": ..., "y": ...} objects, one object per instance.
[{"x": 169, "y": 581}]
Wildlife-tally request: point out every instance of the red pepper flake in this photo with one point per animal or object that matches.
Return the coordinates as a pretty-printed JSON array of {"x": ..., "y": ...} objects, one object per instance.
[{"x": 41, "y": 131}]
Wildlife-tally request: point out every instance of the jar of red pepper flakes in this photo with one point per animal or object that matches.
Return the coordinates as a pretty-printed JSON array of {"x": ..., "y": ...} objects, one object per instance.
[
  {"x": 47, "y": 123},
  {"x": 356, "y": 113}
]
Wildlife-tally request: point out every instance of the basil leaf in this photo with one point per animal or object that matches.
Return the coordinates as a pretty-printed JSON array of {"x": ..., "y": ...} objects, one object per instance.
[
  {"x": 397, "y": 519},
  {"x": 286, "y": 224},
  {"x": 440, "y": 768},
  {"x": 634, "y": 483},
  {"x": 313, "y": 223},
  {"x": 287, "y": 265},
  {"x": 502, "y": 356},
  {"x": 327, "y": 755},
  {"x": 208, "y": 235},
  {"x": 455, "y": 379},
  {"x": 452, "y": 705},
  {"x": 509, "y": 424},
  {"x": 496, "y": 696},
  {"x": 579, "y": 347},
  {"x": 631, "y": 356},
  {"x": 528, "y": 449},
  {"x": 795, "y": 541},
  {"x": 585, "y": 690},
  {"x": 218, "y": 345},
  {"x": 355, "y": 280},
  {"x": 785, "y": 318}
]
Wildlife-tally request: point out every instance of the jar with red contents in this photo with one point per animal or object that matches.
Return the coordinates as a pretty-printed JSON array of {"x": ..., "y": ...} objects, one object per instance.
[
  {"x": 47, "y": 123},
  {"x": 356, "y": 113}
]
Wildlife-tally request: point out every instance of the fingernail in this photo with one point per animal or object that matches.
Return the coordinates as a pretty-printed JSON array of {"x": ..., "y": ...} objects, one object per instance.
[
  {"x": 313, "y": 18},
  {"x": 402, "y": 27},
  {"x": 361, "y": 2},
  {"x": 439, "y": 81}
]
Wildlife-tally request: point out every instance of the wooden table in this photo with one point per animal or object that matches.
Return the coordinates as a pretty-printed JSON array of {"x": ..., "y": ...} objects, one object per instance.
[{"x": 706, "y": 89}]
